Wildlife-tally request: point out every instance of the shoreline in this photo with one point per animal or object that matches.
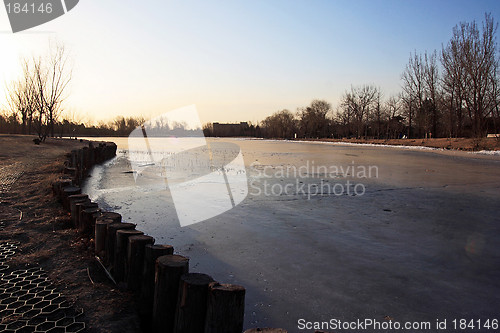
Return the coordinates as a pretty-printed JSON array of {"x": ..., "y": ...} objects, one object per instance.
[
  {"x": 464, "y": 153},
  {"x": 402, "y": 144},
  {"x": 481, "y": 154},
  {"x": 483, "y": 146},
  {"x": 447, "y": 144},
  {"x": 471, "y": 145}
]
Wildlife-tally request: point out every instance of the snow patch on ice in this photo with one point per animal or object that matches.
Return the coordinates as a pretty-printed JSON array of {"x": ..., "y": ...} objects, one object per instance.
[
  {"x": 371, "y": 145},
  {"x": 339, "y": 143},
  {"x": 487, "y": 152}
]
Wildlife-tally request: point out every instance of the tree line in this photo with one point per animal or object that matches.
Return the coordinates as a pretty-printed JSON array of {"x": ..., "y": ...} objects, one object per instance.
[
  {"x": 120, "y": 126},
  {"x": 455, "y": 93}
]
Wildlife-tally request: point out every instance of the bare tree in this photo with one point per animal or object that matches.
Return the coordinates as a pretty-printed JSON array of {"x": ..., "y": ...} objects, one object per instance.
[
  {"x": 21, "y": 98},
  {"x": 17, "y": 102},
  {"x": 124, "y": 126},
  {"x": 495, "y": 97},
  {"x": 39, "y": 83},
  {"x": 378, "y": 115},
  {"x": 408, "y": 104},
  {"x": 452, "y": 88},
  {"x": 431, "y": 79},
  {"x": 37, "y": 97},
  {"x": 394, "y": 116},
  {"x": 470, "y": 60},
  {"x": 281, "y": 124},
  {"x": 313, "y": 121},
  {"x": 344, "y": 117},
  {"x": 58, "y": 77},
  {"x": 358, "y": 102},
  {"x": 413, "y": 87},
  {"x": 421, "y": 93}
]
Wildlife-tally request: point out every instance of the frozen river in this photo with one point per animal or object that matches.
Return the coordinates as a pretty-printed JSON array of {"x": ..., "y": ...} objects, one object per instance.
[{"x": 407, "y": 235}]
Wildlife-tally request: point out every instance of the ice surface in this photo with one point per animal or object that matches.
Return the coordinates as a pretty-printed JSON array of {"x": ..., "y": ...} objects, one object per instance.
[{"x": 421, "y": 243}]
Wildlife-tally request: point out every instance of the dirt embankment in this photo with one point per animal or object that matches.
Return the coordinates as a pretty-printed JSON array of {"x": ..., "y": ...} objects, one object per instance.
[
  {"x": 466, "y": 144},
  {"x": 32, "y": 216}
]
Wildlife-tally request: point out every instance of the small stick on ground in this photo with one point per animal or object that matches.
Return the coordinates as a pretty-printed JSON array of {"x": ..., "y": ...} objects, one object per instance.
[
  {"x": 88, "y": 273},
  {"x": 105, "y": 270}
]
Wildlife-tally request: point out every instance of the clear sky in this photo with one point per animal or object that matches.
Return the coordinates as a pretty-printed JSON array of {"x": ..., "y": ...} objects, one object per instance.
[{"x": 235, "y": 60}]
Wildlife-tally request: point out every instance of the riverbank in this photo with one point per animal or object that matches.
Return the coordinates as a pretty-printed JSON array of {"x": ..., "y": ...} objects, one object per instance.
[
  {"x": 31, "y": 216},
  {"x": 461, "y": 144}
]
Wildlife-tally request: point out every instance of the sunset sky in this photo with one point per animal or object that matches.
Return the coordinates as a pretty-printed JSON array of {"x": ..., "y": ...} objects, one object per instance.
[{"x": 235, "y": 60}]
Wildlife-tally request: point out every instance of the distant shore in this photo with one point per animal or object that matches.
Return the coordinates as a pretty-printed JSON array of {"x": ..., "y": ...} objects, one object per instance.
[
  {"x": 463, "y": 144},
  {"x": 484, "y": 146}
]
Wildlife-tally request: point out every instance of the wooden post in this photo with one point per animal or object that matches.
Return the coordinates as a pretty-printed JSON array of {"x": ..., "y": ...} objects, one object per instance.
[
  {"x": 70, "y": 171},
  {"x": 80, "y": 167},
  {"x": 101, "y": 226},
  {"x": 67, "y": 192},
  {"x": 74, "y": 210},
  {"x": 91, "y": 152},
  {"x": 72, "y": 199},
  {"x": 169, "y": 270},
  {"x": 98, "y": 153},
  {"x": 135, "y": 259},
  {"x": 117, "y": 218},
  {"x": 192, "y": 303},
  {"x": 73, "y": 158},
  {"x": 267, "y": 330},
  {"x": 225, "y": 308},
  {"x": 60, "y": 185},
  {"x": 151, "y": 253},
  {"x": 86, "y": 159},
  {"x": 87, "y": 219},
  {"x": 120, "y": 259},
  {"x": 81, "y": 207},
  {"x": 111, "y": 239},
  {"x": 77, "y": 197},
  {"x": 109, "y": 150}
]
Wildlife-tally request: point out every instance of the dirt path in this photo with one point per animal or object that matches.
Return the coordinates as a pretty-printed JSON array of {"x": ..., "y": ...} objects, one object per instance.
[{"x": 45, "y": 246}]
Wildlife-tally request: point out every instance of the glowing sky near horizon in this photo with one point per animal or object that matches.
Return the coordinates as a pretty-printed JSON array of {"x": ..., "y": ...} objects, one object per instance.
[{"x": 235, "y": 60}]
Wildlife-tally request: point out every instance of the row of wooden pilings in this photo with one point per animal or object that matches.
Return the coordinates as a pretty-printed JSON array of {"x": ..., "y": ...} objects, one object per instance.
[{"x": 170, "y": 299}]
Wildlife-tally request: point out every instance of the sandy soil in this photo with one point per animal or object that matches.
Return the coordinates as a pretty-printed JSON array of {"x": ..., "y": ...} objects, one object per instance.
[{"x": 33, "y": 217}]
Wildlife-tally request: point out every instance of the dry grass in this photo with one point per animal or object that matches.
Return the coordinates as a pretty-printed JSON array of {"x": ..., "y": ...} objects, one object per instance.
[{"x": 465, "y": 144}]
